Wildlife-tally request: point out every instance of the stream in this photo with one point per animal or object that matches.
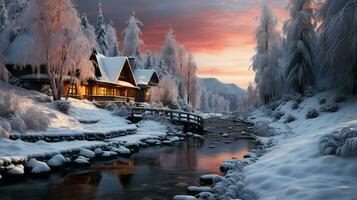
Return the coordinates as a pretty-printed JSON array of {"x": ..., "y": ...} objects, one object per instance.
[{"x": 153, "y": 173}]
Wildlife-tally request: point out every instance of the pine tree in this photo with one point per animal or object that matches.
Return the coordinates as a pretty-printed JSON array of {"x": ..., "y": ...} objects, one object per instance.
[
  {"x": 132, "y": 37},
  {"x": 301, "y": 43},
  {"x": 101, "y": 33},
  {"x": 112, "y": 40},
  {"x": 149, "y": 60},
  {"x": 265, "y": 62},
  {"x": 89, "y": 31},
  {"x": 338, "y": 43},
  {"x": 3, "y": 16}
]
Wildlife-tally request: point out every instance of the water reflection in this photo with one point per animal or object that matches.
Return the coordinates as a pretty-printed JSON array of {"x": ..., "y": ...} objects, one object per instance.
[{"x": 154, "y": 173}]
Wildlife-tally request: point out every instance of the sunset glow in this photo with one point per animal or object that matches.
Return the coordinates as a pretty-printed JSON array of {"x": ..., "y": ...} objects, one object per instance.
[{"x": 220, "y": 33}]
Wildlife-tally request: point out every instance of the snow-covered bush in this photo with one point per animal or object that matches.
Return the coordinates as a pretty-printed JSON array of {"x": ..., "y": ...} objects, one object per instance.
[
  {"x": 330, "y": 108},
  {"x": 63, "y": 106},
  {"x": 340, "y": 98},
  {"x": 17, "y": 124},
  {"x": 111, "y": 106},
  {"x": 274, "y": 105},
  {"x": 4, "y": 133},
  {"x": 262, "y": 129},
  {"x": 289, "y": 119},
  {"x": 5, "y": 125},
  {"x": 123, "y": 111},
  {"x": 35, "y": 120},
  {"x": 46, "y": 89},
  {"x": 322, "y": 100},
  {"x": 9, "y": 104},
  {"x": 342, "y": 143},
  {"x": 295, "y": 106},
  {"x": 312, "y": 113},
  {"x": 278, "y": 115}
]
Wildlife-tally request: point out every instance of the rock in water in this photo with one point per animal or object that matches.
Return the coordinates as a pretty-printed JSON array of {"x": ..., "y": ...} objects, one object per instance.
[
  {"x": 184, "y": 197},
  {"x": 194, "y": 190},
  {"x": 210, "y": 179}
]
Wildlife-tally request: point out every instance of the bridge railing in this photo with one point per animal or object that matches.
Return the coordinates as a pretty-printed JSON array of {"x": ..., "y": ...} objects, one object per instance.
[{"x": 172, "y": 115}]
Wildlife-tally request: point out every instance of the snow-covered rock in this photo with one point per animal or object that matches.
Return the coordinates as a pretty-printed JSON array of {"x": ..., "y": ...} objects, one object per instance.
[
  {"x": 17, "y": 170},
  {"x": 210, "y": 179},
  {"x": 81, "y": 161},
  {"x": 40, "y": 168},
  {"x": 194, "y": 190},
  {"x": 184, "y": 197},
  {"x": 87, "y": 153},
  {"x": 57, "y": 161}
]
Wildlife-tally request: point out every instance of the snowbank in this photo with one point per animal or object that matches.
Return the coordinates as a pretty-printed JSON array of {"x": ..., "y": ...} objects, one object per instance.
[
  {"x": 296, "y": 169},
  {"x": 20, "y": 150},
  {"x": 82, "y": 118}
]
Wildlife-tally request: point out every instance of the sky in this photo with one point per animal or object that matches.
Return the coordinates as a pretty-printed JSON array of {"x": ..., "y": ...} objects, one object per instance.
[{"x": 220, "y": 33}]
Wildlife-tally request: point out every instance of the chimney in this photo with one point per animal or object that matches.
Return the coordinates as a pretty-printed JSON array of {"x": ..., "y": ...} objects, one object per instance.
[{"x": 132, "y": 62}]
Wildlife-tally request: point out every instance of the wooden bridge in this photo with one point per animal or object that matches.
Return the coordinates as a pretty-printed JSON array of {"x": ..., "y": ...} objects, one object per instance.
[{"x": 191, "y": 121}]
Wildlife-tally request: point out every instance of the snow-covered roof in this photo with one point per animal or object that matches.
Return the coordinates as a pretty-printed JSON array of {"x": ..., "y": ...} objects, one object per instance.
[
  {"x": 143, "y": 76},
  {"x": 111, "y": 68},
  {"x": 20, "y": 51}
]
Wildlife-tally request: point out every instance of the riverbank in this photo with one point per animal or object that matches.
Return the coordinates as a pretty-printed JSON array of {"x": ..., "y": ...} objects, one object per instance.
[
  {"x": 157, "y": 172},
  {"x": 305, "y": 161}
]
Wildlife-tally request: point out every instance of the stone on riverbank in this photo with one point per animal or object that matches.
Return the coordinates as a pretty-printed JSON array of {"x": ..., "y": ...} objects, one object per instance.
[
  {"x": 194, "y": 190},
  {"x": 210, "y": 179},
  {"x": 184, "y": 197},
  {"x": 57, "y": 161}
]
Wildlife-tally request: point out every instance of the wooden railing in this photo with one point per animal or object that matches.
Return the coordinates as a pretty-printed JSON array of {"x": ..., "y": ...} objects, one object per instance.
[{"x": 172, "y": 115}]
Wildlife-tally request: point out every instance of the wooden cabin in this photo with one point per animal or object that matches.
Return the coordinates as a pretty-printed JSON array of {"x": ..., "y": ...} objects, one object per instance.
[
  {"x": 114, "y": 81},
  {"x": 145, "y": 79},
  {"x": 114, "y": 78}
]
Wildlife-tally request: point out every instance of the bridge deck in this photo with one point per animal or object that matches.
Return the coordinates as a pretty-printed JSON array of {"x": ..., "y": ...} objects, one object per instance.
[{"x": 184, "y": 118}]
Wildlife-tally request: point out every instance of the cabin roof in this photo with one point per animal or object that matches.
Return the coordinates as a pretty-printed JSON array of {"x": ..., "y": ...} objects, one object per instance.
[
  {"x": 20, "y": 51},
  {"x": 111, "y": 68},
  {"x": 144, "y": 76}
]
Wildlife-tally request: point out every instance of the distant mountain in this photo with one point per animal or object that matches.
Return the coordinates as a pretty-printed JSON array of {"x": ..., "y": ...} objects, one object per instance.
[{"x": 228, "y": 91}]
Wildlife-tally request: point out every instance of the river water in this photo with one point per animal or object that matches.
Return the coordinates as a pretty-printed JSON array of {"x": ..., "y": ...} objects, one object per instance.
[{"x": 154, "y": 173}]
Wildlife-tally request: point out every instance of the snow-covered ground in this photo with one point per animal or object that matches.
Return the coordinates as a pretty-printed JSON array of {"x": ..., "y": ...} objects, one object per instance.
[
  {"x": 17, "y": 150},
  {"x": 295, "y": 168},
  {"x": 82, "y": 118}
]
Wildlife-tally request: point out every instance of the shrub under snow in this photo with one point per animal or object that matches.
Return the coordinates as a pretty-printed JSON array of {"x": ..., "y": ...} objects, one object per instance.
[
  {"x": 63, "y": 106},
  {"x": 35, "y": 120},
  {"x": 342, "y": 143},
  {"x": 312, "y": 114},
  {"x": 264, "y": 130},
  {"x": 18, "y": 124},
  {"x": 9, "y": 104},
  {"x": 4, "y": 133}
]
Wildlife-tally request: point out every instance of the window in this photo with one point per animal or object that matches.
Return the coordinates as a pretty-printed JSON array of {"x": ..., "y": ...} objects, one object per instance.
[
  {"x": 102, "y": 91},
  {"x": 73, "y": 89}
]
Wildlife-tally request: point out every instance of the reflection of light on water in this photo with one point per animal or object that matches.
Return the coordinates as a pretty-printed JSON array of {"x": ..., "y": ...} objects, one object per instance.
[{"x": 210, "y": 163}]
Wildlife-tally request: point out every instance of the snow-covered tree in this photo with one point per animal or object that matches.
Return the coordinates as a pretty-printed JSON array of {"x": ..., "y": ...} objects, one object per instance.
[
  {"x": 132, "y": 39},
  {"x": 16, "y": 9},
  {"x": 101, "y": 33},
  {"x": 112, "y": 41},
  {"x": 204, "y": 101},
  {"x": 166, "y": 92},
  {"x": 162, "y": 68},
  {"x": 89, "y": 31},
  {"x": 191, "y": 81},
  {"x": 301, "y": 43},
  {"x": 265, "y": 62},
  {"x": 338, "y": 42},
  {"x": 61, "y": 45},
  {"x": 149, "y": 60},
  {"x": 169, "y": 52},
  {"x": 3, "y": 15}
]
